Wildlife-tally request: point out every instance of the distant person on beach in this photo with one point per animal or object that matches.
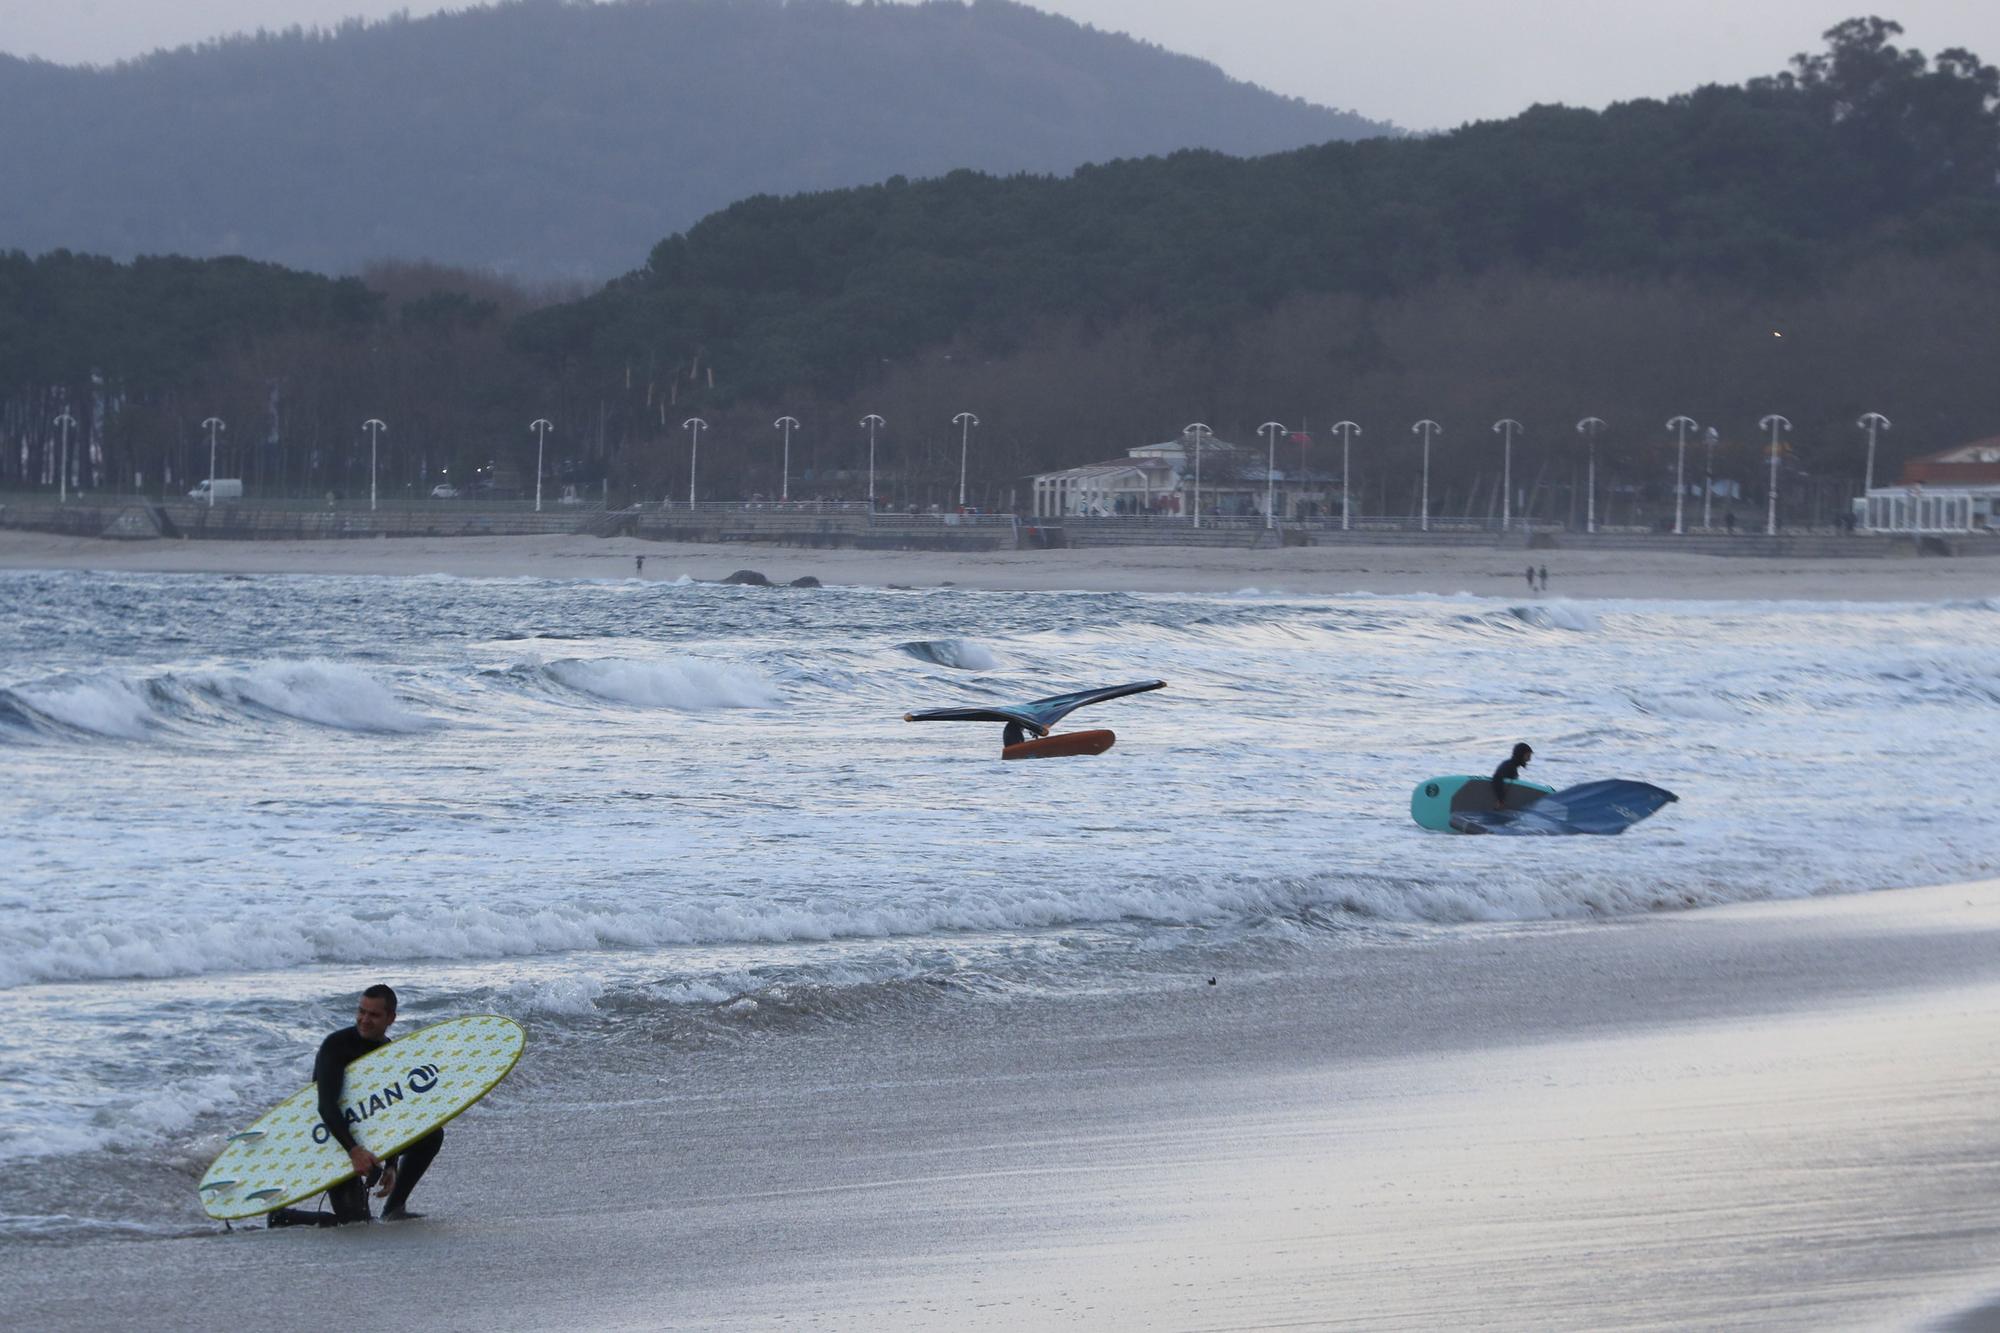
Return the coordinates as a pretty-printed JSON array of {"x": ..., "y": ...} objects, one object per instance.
[
  {"x": 1510, "y": 771},
  {"x": 1545, "y": 578},
  {"x": 394, "y": 1178},
  {"x": 1729, "y": 521},
  {"x": 1531, "y": 578},
  {"x": 639, "y": 564}
]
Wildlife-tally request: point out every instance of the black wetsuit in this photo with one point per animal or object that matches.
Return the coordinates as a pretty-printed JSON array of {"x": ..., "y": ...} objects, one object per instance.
[
  {"x": 1013, "y": 735},
  {"x": 1509, "y": 771},
  {"x": 350, "y": 1198}
]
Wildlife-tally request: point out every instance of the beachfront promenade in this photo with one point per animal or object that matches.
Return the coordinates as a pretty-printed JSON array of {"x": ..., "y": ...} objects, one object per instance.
[{"x": 837, "y": 524}]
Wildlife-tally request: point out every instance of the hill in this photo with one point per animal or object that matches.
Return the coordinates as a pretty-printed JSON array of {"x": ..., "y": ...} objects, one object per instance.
[
  {"x": 1822, "y": 243},
  {"x": 556, "y": 139}
]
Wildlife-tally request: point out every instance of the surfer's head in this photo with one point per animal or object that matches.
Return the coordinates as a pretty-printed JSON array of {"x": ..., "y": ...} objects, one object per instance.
[
  {"x": 376, "y": 1011},
  {"x": 1523, "y": 752}
]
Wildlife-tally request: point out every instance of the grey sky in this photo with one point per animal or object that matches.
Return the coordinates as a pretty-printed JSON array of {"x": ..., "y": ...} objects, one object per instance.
[{"x": 1421, "y": 63}]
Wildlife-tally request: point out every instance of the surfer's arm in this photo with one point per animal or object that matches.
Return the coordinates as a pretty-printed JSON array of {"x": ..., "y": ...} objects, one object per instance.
[{"x": 329, "y": 1076}]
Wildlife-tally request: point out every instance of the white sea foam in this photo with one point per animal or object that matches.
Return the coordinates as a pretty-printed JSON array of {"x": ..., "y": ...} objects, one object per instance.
[{"x": 689, "y": 685}]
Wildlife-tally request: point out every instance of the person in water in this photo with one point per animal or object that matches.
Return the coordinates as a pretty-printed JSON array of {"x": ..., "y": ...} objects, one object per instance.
[
  {"x": 1016, "y": 733},
  {"x": 1510, "y": 771},
  {"x": 394, "y": 1179}
]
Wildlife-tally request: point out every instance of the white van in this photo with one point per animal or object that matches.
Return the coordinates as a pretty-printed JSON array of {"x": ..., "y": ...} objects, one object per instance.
[{"x": 226, "y": 488}]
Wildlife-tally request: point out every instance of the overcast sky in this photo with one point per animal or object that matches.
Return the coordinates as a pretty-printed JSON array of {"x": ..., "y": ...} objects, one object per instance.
[{"x": 1424, "y": 64}]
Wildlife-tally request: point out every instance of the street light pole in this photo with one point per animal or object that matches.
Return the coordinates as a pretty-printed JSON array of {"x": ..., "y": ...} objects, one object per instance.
[
  {"x": 1196, "y": 433},
  {"x": 1507, "y": 428},
  {"x": 1347, "y": 430},
  {"x": 1773, "y": 423},
  {"x": 1271, "y": 430},
  {"x": 1707, "y": 477},
  {"x": 1681, "y": 426},
  {"x": 787, "y": 425},
  {"x": 374, "y": 429},
  {"x": 213, "y": 424},
  {"x": 694, "y": 426},
  {"x": 965, "y": 421},
  {"x": 541, "y": 426},
  {"x": 871, "y": 421},
  {"x": 1871, "y": 423},
  {"x": 1588, "y": 428},
  {"x": 1426, "y": 428},
  {"x": 66, "y": 421}
]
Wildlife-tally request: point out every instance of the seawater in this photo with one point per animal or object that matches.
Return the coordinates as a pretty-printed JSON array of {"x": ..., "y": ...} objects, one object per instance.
[{"x": 651, "y": 812}]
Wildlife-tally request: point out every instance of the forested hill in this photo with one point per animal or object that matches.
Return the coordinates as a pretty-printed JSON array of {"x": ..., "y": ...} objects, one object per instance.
[
  {"x": 1780, "y": 184},
  {"x": 555, "y": 139}
]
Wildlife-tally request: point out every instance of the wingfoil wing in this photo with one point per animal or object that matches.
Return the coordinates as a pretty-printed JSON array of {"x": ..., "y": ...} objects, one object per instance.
[
  {"x": 1040, "y": 714},
  {"x": 1606, "y": 807}
]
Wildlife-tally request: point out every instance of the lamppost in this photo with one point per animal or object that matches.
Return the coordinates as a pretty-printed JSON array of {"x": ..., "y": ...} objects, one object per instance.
[
  {"x": 1871, "y": 423},
  {"x": 1347, "y": 430},
  {"x": 1588, "y": 428},
  {"x": 694, "y": 426},
  {"x": 213, "y": 424},
  {"x": 1707, "y": 476},
  {"x": 1426, "y": 428},
  {"x": 1681, "y": 426},
  {"x": 1271, "y": 430},
  {"x": 541, "y": 426},
  {"x": 1773, "y": 423},
  {"x": 871, "y": 421},
  {"x": 1196, "y": 433},
  {"x": 965, "y": 421},
  {"x": 374, "y": 429},
  {"x": 1507, "y": 429},
  {"x": 787, "y": 425},
  {"x": 66, "y": 421}
]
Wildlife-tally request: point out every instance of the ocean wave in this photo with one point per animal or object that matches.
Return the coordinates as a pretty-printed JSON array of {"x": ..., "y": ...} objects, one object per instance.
[
  {"x": 328, "y": 694},
  {"x": 158, "y": 947},
  {"x": 688, "y": 685},
  {"x": 110, "y": 707},
  {"x": 959, "y": 654},
  {"x": 1563, "y": 615},
  {"x": 131, "y": 706}
]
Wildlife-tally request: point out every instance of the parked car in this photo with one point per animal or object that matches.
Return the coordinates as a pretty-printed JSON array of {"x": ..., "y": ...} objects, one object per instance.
[
  {"x": 226, "y": 488},
  {"x": 444, "y": 491}
]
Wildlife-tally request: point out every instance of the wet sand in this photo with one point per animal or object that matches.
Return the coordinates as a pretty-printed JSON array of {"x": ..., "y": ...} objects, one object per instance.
[
  {"x": 1316, "y": 571},
  {"x": 1771, "y": 1116}
]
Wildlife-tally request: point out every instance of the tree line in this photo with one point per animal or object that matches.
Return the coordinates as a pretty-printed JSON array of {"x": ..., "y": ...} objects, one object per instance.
[{"x": 1821, "y": 244}]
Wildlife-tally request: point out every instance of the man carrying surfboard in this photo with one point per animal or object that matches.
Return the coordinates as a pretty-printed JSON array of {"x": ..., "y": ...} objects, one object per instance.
[{"x": 372, "y": 1017}]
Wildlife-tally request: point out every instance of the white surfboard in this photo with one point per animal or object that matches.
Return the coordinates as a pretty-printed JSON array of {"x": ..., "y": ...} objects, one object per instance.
[{"x": 392, "y": 1098}]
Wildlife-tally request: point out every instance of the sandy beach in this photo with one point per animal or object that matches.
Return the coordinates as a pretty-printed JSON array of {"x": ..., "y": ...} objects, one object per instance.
[
  {"x": 1772, "y": 1116},
  {"x": 1314, "y": 571}
]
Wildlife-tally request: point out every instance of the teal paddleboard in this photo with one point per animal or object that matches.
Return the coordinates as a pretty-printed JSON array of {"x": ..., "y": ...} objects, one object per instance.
[{"x": 1436, "y": 800}]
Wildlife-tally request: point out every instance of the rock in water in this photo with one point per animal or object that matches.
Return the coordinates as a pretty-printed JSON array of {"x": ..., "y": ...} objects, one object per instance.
[
  {"x": 749, "y": 578},
  {"x": 805, "y": 581}
]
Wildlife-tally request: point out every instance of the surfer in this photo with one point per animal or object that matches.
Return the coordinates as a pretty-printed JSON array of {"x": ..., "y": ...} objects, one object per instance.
[
  {"x": 1509, "y": 771},
  {"x": 1015, "y": 733},
  {"x": 372, "y": 1017}
]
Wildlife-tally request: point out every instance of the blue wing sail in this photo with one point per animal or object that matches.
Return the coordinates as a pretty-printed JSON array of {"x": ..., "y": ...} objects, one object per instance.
[
  {"x": 1039, "y": 714},
  {"x": 1606, "y": 807}
]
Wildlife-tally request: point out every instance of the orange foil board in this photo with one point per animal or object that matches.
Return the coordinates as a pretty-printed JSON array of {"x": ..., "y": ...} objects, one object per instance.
[{"x": 1055, "y": 747}]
